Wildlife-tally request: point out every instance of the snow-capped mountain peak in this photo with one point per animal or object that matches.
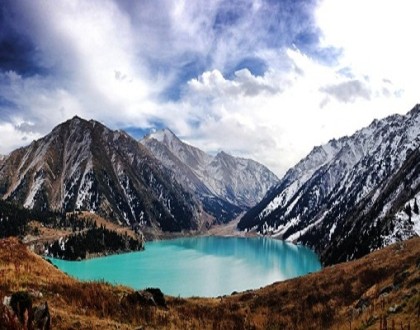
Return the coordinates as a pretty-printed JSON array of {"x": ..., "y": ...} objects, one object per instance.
[
  {"x": 343, "y": 197},
  {"x": 164, "y": 136},
  {"x": 226, "y": 185}
]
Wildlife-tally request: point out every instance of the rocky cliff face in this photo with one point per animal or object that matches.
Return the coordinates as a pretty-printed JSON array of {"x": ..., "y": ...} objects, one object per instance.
[
  {"x": 83, "y": 165},
  {"x": 225, "y": 185},
  {"x": 350, "y": 196}
]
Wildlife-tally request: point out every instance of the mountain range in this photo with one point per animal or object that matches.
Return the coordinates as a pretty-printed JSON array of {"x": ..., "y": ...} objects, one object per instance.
[
  {"x": 225, "y": 185},
  {"x": 83, "y": 165},
  {"x": 350, "y": 196}
]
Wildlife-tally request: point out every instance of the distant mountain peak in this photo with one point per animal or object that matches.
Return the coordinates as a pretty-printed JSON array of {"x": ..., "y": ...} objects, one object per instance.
[
  {"x": 76, "y": 120},
  {"x": 415, "y": 110},
  {"x": 163, "y": 135},
  {"x": 223, "y": 154},
  {"x": 226, "y": 185}
]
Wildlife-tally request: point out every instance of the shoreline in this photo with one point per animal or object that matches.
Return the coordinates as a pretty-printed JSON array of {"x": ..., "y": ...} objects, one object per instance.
[{"x": 223, "y": 230}]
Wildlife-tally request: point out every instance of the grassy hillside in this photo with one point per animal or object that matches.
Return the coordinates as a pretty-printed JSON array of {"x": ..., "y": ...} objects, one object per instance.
[{"x": 380, "y": 289}]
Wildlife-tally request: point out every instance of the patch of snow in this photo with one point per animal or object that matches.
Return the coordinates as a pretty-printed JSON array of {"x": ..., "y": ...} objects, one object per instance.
[
  {"x": 30, "y": 199},
  {"x": 295, "y": 236},
  {"x": 85, "y": 188},
  {"x": 281, "y": 199},
  {"x": 332, "y": 230},
  {"x": 405, "y": 226}
]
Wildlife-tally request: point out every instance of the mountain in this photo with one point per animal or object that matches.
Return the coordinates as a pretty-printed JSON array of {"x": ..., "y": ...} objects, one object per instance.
[
  {"x": 225, "y": 185},
  {"x": 350, "y": 196},
  {"x": 83, "y": 165}
]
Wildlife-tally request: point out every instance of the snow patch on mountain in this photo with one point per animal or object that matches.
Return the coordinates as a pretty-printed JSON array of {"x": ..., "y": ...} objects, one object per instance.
[
  {"x": 406, "y": 222},
  {"x": 84, "y": 194},
  {"x": 36, "y": 186}
]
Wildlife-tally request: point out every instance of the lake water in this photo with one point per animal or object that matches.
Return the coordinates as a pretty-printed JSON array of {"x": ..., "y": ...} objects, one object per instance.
[{"x": 200, "y": 266}]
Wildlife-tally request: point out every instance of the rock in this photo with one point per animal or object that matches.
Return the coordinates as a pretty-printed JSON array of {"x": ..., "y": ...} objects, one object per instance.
[
  {"x": 42, "y": 317},
  {"x": 158, "y": 296},
  {"x": 6, "y": 300},
  {"x": 36, "y": 294},
  {"x": 21, "y": 303},
  {"x": 386, "y": 290},
  {"x": 362, "y": 304},
  {"x": 394, "y": 309},
  {"x": 148, "y": 297},
  {"x": 400, "y": 277},
  {"x": 139, "y": 298}
]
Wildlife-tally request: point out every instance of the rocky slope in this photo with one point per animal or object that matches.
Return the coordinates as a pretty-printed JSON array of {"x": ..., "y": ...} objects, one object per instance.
[
  {"x": 350, "y": 196},
  {"x": 83, "y": 165},
  {"x": 226, "y": 185}
]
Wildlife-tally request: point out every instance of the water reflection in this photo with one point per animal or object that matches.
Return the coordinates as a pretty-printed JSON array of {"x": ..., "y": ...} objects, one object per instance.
[{"x": 202, "y": 266}]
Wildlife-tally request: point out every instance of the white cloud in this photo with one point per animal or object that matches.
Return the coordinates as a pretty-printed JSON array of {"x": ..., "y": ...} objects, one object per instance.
[
  {"x": 348, "y": 91},
  {"x": 213, "y": 84},
  {"x": 13, "y": 138},
  {"x": 279, "y": 117},
  {"x": 378, "y": 39}
]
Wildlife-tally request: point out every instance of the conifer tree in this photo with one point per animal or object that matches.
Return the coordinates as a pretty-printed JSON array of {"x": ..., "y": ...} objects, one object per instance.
[{"x": 416, "y": 207}]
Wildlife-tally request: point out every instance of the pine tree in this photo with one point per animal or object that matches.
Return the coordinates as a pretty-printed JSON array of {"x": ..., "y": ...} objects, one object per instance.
[
  {"x": 407, "y": 210},
  {"x": 416, "y": 207}
]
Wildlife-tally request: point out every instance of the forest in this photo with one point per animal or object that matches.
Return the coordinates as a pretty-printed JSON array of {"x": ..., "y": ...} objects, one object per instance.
[{"x": 86, "y": 238}]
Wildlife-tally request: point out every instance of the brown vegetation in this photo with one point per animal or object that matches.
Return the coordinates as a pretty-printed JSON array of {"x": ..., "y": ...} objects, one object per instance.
[{"x": 379, "y": 291}]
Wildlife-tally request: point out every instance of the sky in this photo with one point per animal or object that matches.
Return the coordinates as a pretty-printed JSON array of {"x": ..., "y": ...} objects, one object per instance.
[{"x": 261, "y": 79}]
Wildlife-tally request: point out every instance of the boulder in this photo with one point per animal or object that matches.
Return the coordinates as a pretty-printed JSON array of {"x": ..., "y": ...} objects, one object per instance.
[
  {"x": 42, "y": 317},
  {"x": 149, "y": 297}
]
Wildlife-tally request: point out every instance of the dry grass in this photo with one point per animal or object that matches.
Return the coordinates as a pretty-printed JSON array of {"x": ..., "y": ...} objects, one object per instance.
[{"x": 383, "y": 287}]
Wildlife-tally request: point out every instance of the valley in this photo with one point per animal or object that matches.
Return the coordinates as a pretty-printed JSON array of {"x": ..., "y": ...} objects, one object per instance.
[
  {"x": 175, "y": 164},
  {"x": 86, "y": 191},
  {"x": 381, "y": 288}
]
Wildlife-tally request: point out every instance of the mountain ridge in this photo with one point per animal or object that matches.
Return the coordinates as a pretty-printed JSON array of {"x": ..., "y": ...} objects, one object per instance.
[
  {"x": 226, "y": 185},
  {"x": 326, "y": 200},
  {"x": 84, "y": 165}
]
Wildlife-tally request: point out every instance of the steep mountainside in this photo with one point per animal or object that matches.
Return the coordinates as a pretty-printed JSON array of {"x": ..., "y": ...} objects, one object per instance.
[
  {"x": 226, "y": 185},
  {"x": 83, "y": 165},
  {"x": 350, "y": 196}
]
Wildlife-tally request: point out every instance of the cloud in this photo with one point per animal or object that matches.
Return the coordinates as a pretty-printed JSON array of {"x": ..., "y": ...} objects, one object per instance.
[
  {"x": 244, "y": 83},
  {"x": 13, "y": 137},
  {"x": 348, "y": 91},
  {"x": 376, "y": 38}
]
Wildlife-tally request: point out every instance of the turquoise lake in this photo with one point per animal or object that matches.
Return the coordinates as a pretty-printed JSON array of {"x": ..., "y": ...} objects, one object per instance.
[{"x": 200, "y": 266}]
